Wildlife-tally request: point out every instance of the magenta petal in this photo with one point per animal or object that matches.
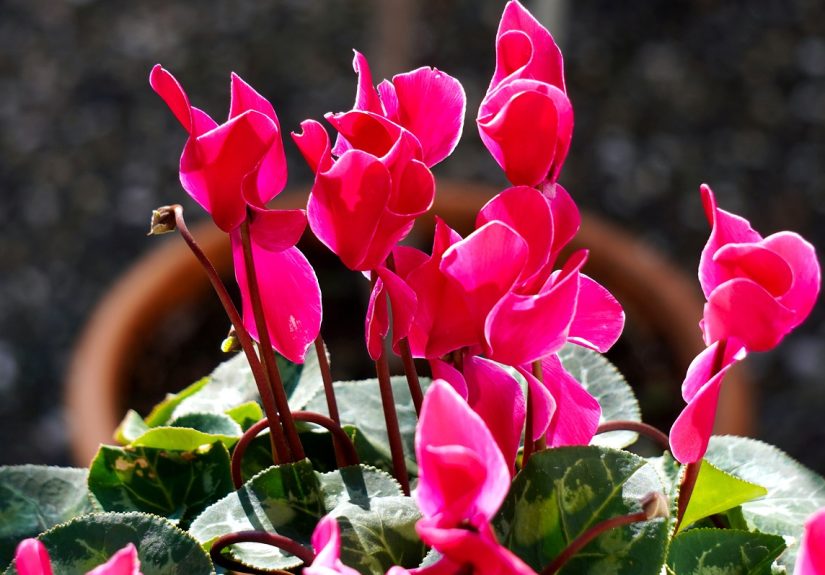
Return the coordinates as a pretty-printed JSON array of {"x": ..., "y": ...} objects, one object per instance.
[
  {"x": 403, "y": 301},
  {"x": 442, "y": 370},
  {"x": 486, "y": 264},
  {"x": 811, "y": 557},
  {"x": 367, "y": 132},
  {"x": 526, "y": 211},
  {"x": 290, "y": 295},
  {"x": 276, "y": 230},
  {"x": 566, "y": 218},
  {"x": 31, "y": 558},
  {"x": 691, "y": 431},
  {"x": 599, "y": 318},
  {"x": 577, "y": 414},
  {"x": 447, "y": 428},
  {"x": 542, "y": 402},
  {"x": 366, "y": 98},
  {"x": 758, "y": 263},
  {"x": 124, "y": 562},
  {"x": 346, "y": 204},
  {"x": 313, "y": 142},
  {"x": 244, "y": 98},
  {"x": 801, "y": 257},
  {"x": 170, "y": 90},
  {"x": 431, "y": 105},
  {"x": 493, "y": 392},
  {"x": 702, "y": 368},
  {"x": 407, "y": 258},
  {"x": 533, "y": 54},
  {"x": 326, "y": 541},
  {"x": 377, "y": 321},
  {"x": 744, "y": 310}
]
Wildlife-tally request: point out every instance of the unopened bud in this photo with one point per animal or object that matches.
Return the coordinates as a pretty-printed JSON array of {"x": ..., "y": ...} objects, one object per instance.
[
  {"x": 655, "y": 505},
  {"x": 231, "y": 342},
  {"x": 163, "y": 221}
]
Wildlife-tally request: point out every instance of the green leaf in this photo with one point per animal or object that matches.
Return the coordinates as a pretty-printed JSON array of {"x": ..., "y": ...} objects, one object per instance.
[
  {"x": 88, "y": 541},
  {"x": 565, "y": 491},
  {"x": 34, "y": 498},
  {"x": 181, "y": 439},
  {"x": 715, "y": 492},
  {"x": 717, "y": 551},
  {"x": 794, "y": 491},
  {"x": 174, "y": 484},
  {"x": 359, "y": 406},
  {"x": 382, "y": 534},
  {"x": 286, "y": 499},
  {"x": 162, "y": 412},
  {"x": 608, "y": 386},
  {"x": 246, "y": 414},
  {"x": 130, "y": 428},
  {"x": 210, "y": 423},
  {"x": 356, "y": 484}
]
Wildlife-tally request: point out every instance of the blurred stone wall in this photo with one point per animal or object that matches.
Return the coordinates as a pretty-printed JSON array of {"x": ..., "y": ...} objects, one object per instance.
[{"x": 667, "y": 94}]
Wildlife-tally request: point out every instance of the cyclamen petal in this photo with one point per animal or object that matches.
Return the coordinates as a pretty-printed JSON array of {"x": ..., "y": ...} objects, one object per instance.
[
  {"x": 599, "y": 318},
  {"x": 450, "y": 434},
  {"x": 811, "y": 557},
  {"x": 326, "y": 540},
  {"x": 543, "y": 404},
  {"x": 276, "y": 230},
  {"x": 31, "y": 558},
  {"x": 442, "y": 370},
  {"x": 291, "y": 297},
  {"x": 313, "y": 142},
  {"x": 124, "y": 562},
  {"x": 403, "y": 301},
  {"x": 577, "y": 413},
  {"x": 800, "y": 255}
]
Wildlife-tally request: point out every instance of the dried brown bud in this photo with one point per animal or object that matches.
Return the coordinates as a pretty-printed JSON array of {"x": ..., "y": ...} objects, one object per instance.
[
  {"x": 655, "y": 505},
  {"x": 163, "y": 221}
]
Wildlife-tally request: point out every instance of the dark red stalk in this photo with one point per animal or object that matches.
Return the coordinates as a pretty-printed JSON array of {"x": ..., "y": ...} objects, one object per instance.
[
  {"x": 648, "y": 431},
  {"x": 406, "y": 357},
  {"x": 692, "y": 471},
  {"x": 382, "y": 370},
  {"x": 171, "y": 218},
  {"x": 264, "y": 537},
  {"x": 531, "y": 446},
  {"x": 267, "y": 353},
  {"x": 329, "y": 393}
]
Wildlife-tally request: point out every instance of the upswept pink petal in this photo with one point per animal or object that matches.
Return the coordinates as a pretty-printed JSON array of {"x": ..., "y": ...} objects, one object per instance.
[
  {"x": 326, "y": 541},
  {"x": 523, "y": 328},
  {"x": 374, "y": 134},
  {"x": 244, "y": 97},
  {"x": 525, "y": 49},
  {"x": 599, "y": 318},
  {"x": 450, "y": 434},
  {"x": 801, "y": 257},
  {"x": 346, "y": 203},
  {"x": 757, "y": 263},
  {"x": 290, "y": 295},
  {"x": 31, "y": 558},
  {"x": 486, "y": 264},
  {"x": 811, "y": 557},
  {"x": 403, "y": 301},
  {"x": 726, "y": 228},
  {"x": 527, "y": 127},
  {"x": 440, "y": 369},
  {"x": 463, "y": 547},
  {"x": 691, "y": 431},
  {"x": 366, "y": 98},
  {"x": 313, "y": 142},
  {"x": 527, "y": 212},
  {"x": 577, "y": 412},
  {"x": 124, "y": 562},
  {"x": 169, "y": 89},
  {"x": 276, "y": 230},
  {"x": 705, "y": 364},
  {"x": 493, "y": 392},
  {"x": 442, "y": 322},
  {"x": 407, "y": 259},
  {"x": 566, "y": 218},
  {"x": 744, "y": 310},
  {"x": 214, "y": 165},
  {"x": 431, "y": 105},
  {"x": 543, "y": 403}
]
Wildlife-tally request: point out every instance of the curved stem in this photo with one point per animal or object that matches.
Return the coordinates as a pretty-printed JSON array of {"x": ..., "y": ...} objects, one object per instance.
[
  {"x": 279, "y": 445},
  {"x": 643, "y": 428},
  {"x": 263, "y": 537},
  {"x": 240, "y": 449},
  {"x": 267, "y": 354}
]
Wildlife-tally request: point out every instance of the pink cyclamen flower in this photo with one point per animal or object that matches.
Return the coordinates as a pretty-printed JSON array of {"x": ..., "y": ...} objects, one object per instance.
[
  {"x": 31, "y": 558},
  {"x": 526, "y": 119},
  {"x": 372, "y": 185},
  {"x": 691, "y": 431},
  {"x": 326, "y": 540},
  {"x": 811, "y": 557},
  {"x": 757, "y": 289}
]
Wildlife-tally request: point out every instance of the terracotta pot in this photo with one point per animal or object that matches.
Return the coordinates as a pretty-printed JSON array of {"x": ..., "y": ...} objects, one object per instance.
[{"x": 659, "y": 299}]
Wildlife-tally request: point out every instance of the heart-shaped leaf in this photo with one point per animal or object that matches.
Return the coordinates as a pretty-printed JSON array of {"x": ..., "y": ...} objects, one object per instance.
[{"x": 723, "y": 551}]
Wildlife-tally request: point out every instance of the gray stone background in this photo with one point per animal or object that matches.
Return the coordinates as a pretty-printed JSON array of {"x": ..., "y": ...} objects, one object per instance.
[{"x": 667, "y": 94}]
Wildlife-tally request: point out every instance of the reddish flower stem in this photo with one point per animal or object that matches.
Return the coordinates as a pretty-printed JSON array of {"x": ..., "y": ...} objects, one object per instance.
[
  {"x": 643, "y": 428},
  {"x": 264, "y": 537},
  {"x": 267, "y": 353},
  {"x": 531, "y": 446},
  {"x": 329, "y": 393},
  {"x": 382, "y": 370},
  {"x": 692, "y": 471},
  {"x": 406, "y": 357},
  {"x": 279, "y": 445},
  {"x": 541, "y": 443}
]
